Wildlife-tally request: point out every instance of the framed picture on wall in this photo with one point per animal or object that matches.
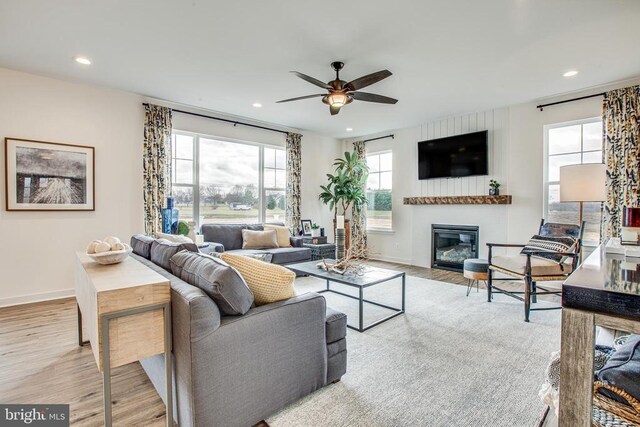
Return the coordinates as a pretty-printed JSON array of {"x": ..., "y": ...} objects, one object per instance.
[
  {"x": 48, "y": 176},
  {"x": 306, "y": 227}
]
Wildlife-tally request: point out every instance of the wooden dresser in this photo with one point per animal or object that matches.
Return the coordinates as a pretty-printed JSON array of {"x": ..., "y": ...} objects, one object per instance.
[
  {"x": 603, "y": 291},
  {"x": 126, "y": 311}
]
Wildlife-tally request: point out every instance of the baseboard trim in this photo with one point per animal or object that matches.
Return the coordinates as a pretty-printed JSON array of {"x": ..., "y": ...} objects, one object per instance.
[
  {"x": 403, "y": 261},
  {"x": 44, "y": 296}
]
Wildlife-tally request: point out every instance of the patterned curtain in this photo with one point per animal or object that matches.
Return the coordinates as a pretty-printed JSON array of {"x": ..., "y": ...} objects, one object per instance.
[
  {"x": 359, "y": 219},
  {"x": 294, "y": 171},
  {"x": 156, "y": 164},
  {"x": 621, "y": 129}
]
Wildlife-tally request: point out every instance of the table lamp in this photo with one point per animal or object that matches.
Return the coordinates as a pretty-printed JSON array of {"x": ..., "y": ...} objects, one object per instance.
[{"x": 583, "y": 183}]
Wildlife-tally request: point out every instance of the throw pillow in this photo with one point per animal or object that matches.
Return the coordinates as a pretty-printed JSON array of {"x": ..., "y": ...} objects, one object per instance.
[
  {"x": 141, "y": 245},
  {"x": 175, "y": 238},
  {"x": 282, "y": 234},
  {"x": 622, "y": 370},
  {"x": 216, "y": 278},
  {"x": 162, "y": 251},
  {"x": 550, "y": 246},
  {"x": 268, "y": 282},
  {"x": 252, "y": 239}
]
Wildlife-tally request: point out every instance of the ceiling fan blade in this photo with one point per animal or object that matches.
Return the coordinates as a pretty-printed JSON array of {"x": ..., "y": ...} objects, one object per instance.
[
  {"x": 300, "y": 97},
  {"x": 372, "y": 97},
  {"x": 334, "y": 110},
  {"x": 312, "y": 80},
  {"x": 367, "y": 80}
]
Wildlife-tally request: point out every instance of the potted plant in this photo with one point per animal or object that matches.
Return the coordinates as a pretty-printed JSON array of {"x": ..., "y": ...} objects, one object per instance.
[
  {"x": 346, "y": 188},
  {"x": 315, "y": 230},
  {"x": 494, "y": 187}
]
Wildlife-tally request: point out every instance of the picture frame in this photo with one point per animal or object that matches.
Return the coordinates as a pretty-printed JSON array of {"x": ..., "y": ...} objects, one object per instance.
[
  {"x": 306, "y": 227},
  {"x": 48, "y": 176}
]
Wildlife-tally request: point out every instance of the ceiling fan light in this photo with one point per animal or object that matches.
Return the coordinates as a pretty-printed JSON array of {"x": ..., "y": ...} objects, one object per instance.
[{"x": 337, "y": 99}]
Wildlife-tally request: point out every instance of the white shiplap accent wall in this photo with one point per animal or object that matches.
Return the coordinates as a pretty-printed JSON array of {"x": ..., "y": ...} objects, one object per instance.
[{"x": 496, "y": 122}]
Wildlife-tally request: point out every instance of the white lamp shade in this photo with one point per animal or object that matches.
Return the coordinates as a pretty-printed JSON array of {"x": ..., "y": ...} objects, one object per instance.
[{"x": 583, "y": 183}]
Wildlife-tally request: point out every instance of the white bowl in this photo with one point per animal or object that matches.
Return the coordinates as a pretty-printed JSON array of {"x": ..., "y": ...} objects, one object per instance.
[{"x": 111, "y": 257}]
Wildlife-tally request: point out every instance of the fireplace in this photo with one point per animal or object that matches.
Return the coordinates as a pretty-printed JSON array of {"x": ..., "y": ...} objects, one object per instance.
[{"x": 452, "y": 244}]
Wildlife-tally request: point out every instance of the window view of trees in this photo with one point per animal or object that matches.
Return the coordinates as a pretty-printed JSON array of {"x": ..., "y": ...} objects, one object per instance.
[
  {"x": 223, "y": 183},
  {"x": 379, "y": 190}
]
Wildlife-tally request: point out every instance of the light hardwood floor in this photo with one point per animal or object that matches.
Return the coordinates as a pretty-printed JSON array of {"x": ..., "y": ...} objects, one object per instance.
[{"x": 40, "y": 362}]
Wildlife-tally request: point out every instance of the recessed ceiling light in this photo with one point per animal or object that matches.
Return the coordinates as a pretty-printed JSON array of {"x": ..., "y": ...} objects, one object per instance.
[
  {"x": 570, "y": 73},
  {"x": 349, "y": 129},
  {"x": 257, "y": 104},
  {"x": 82, "y": 60}
]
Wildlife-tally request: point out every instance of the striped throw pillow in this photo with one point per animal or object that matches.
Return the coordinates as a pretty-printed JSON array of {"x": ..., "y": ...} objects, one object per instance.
[{"x": 550, "y": 246}]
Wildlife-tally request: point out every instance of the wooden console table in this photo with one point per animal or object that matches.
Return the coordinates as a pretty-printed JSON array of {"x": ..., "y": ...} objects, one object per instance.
[
  {"x": 603, "y": 291},
  {"x": 126, "y": 310}
]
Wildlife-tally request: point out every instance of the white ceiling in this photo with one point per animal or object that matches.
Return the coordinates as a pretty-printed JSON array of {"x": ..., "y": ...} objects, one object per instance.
[{"x": 447, "y": 56}]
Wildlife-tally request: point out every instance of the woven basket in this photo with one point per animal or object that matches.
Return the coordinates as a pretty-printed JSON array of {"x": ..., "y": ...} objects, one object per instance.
[{"x": 629, "y": 413}]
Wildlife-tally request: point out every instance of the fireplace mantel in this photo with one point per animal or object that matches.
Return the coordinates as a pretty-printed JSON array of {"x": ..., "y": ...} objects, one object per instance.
[{"x": 459, "y": 200}]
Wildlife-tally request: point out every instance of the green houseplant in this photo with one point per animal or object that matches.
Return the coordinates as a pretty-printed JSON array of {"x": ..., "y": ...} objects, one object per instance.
[
  {"x": 494, "y": 187},
  {"x": 346, "y": 188}
]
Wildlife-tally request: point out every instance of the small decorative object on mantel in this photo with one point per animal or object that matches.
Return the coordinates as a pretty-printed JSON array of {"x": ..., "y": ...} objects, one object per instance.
[
  {"x": 48, "y": 176},
  {"x": 315, "y": 230},
  {"x": 108, "y": 251},
  {"x": 494, "y": 188}
]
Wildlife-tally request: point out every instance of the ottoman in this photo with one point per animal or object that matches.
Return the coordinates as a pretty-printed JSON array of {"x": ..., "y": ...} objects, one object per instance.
[{"x": 475, "y": 269}]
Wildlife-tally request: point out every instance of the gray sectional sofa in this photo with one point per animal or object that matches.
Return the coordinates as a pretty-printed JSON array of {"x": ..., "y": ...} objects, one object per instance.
[
  {"x": 228, "y": 238},
  {"x": 238, "y": 370}
]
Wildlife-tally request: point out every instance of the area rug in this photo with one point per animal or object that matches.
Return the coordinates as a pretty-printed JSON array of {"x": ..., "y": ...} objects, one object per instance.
[{"x": 451, "y": 360}]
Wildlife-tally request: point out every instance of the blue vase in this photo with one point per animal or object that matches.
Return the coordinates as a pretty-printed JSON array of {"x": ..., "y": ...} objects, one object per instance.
[{"x": 170, "y": 218}]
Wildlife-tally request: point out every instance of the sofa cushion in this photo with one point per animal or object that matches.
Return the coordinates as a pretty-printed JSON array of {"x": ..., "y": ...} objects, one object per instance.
[
  {"x": 269, "y": 283},
  {"x": 253, "y": 253},
  {"x": 283, "y": 234},
  {"x": 289, "y": 255},
  {"x": 336, "y": 325},
  {"x": 229, "y": 235},
  {"x": 175, "y": 238},
  {"x": 539, "y": 267},
  {"x": 252, "y": 239},
  {"x": 216, "y": 278},
  {"x": 141, "y": 245},
  {"x": 162, "y": 251}
]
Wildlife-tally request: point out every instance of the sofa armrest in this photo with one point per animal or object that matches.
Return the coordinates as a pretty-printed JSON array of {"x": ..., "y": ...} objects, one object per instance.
[
  {"x": 217, "y": 247},
  {"x": 275, "y": 347},
  {"x": 296, "y": 242}
]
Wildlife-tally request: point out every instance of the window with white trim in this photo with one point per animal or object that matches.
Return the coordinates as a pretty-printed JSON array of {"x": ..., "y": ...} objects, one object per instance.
[
  {"x": 572, "y": 143},
  {"x": 216, "y": 180},
  {"x": 379, "y": 191}
]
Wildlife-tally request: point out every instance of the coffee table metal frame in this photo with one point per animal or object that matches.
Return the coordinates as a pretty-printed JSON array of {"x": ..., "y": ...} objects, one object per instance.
[{"x": 321, "y": 274}]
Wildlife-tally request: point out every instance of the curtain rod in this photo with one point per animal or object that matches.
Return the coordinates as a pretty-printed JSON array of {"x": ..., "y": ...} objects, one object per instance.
[
  {"x": 235, "y": 122},
  {"x": 541, "y": 107},
  {"x": 392, "y": 136}
]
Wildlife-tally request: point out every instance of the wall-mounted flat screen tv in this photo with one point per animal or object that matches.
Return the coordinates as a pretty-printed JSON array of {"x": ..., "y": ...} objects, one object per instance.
[{"x": 454, "y": 156}]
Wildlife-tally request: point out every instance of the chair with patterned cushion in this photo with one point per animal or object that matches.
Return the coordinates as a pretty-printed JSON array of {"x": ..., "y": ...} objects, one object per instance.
[{"x": 540, "y": 261}]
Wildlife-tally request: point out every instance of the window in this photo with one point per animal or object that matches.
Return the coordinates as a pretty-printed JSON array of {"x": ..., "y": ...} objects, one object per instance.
[
  {"x": 379, "y": 187},
  {"x": 570, "y": 144},
  {"x": 221, "y": 181}
]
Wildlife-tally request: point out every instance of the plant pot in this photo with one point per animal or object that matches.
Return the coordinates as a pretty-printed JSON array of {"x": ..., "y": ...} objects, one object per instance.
[
  {"x": 315, "y": 232},
  {"x": 494, "y": 191},
  {"x": 347, "y": 232}
]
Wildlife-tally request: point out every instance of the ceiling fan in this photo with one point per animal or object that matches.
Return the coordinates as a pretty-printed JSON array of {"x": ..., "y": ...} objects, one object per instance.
[{"x": 342, "y": 93}]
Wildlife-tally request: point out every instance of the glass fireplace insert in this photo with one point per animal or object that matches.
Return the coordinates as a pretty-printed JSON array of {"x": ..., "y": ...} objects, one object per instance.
[{"x": 452, "y": 244}]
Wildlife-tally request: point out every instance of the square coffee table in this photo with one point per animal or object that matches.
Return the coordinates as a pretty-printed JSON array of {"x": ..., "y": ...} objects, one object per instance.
[{"x": 369, "y": 276}]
